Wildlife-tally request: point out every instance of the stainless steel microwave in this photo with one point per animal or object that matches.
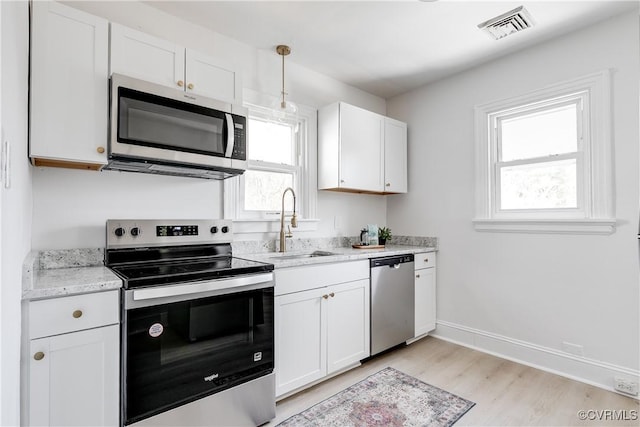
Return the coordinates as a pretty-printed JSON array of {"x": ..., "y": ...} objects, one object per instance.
[{"x": 162, "y": 130}]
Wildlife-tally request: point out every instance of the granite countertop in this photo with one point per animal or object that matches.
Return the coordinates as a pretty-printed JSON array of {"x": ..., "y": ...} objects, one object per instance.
[
  {"x": 49, "y": 274},
  {"x": 291, "y": 259},
  {"x": 56, "y": 273}
]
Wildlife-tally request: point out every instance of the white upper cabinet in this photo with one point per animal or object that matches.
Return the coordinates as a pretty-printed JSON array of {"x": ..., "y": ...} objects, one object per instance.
[
  {"x": 395, "y": 156},
  {"x": 140, "y": 55},
  {"x": 212, "y": 78},
  {"x": 145, "y": 57},
  {"x": 69, "y": 87},
  {"x": 361, "y": 151}
]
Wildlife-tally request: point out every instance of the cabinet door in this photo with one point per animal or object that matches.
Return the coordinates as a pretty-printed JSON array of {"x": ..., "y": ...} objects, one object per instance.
[
  {"x": 425, "y": 317},
  {"x": 300, "y": 339},
  {"x": 395, "y": 156},
  {"x": 76, "y": 382},
  {"x": 69, "y": 86},
  {"x": 145, "y": 57},
  {"x": 361, "y": 149},
  {"x": 212, "y": 78},
  {"x": 347, "y": 324}
]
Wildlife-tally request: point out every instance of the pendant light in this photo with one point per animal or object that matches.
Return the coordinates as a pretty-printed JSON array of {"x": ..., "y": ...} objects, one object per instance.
[{"x": 285, "y": 108}]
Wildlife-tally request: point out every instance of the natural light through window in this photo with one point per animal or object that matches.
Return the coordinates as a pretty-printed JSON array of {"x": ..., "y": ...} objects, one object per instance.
[
  {"x": 271, "y": 142},
  {"x": 273, "y": 165},
  {"x": 544, "y": 160},
  {"x": 538, "y": 153},
  {"x": 281, "y": 153}
]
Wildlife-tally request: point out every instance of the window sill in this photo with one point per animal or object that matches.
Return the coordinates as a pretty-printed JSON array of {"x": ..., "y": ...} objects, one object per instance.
[
  {"x": 550, "y": 226},
  {"x": 271, "y": 225}
]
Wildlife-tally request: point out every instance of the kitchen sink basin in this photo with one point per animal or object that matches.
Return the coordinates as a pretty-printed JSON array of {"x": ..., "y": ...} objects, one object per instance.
[{"x": 313, "y": 254}]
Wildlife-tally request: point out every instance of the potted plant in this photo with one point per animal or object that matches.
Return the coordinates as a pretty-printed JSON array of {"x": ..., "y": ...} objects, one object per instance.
[{"x": 384, "y": 234}]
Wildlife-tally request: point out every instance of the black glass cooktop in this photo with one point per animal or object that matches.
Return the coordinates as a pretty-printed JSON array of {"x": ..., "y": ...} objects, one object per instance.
[{"x": 161, "y": 266}]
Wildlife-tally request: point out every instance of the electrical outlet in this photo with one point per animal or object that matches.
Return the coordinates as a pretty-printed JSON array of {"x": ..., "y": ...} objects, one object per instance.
[
  {"x": 337, "y": 222},
  {"x": 625, "y": 386},
  {"x": 575, "y": 349}
]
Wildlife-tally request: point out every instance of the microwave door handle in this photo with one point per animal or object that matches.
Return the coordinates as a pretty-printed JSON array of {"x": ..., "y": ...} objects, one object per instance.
[{"x": 230, "y": 135}]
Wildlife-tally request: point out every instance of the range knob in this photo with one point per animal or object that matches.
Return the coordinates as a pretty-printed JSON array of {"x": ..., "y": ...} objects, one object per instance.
[
  {"x": 119, "y": 232},
  {"x": 135, "y": 231},
  {"x": 225, "y": 229},
  {"x": 214, "y": 229}
]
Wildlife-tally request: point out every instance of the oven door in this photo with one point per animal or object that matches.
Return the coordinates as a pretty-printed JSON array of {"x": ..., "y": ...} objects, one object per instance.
[
  {"x": 149, "y": 121},
  {"x": 190, "y": 343}
]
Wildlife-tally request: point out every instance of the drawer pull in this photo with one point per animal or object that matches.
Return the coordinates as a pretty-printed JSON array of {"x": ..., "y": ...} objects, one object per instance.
[
  {"x": 417, "y": 276},
  {"x": 180, "y": 83},
  {"x": 77, "y": 314},
  {"x": 39, "y": 355},
  {"x": 426, "y": 260},
  {"x": 190, "y": 86},
  {"x": 100, "y": 150},
  {"x": 325, "y": 296},
  {"x": 332, "y": 295}
]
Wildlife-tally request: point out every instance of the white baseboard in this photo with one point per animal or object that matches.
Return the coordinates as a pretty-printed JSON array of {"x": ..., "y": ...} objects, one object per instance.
[{"x": 593, "y": 372}]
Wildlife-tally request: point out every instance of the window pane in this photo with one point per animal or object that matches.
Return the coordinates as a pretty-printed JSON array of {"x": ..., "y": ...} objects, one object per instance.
[
  {"x": 263, "y": 190},
  {"x": 271, "y": 142},
  {"x": 549, "y": 185},
  {"x": 544, "y": 133}
]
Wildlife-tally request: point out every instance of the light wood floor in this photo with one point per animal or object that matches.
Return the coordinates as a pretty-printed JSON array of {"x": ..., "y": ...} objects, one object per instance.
[{"x": 505, "y": 393}]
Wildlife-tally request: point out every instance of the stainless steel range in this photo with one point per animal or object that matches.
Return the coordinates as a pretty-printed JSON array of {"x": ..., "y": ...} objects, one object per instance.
[{"x": 197, "y": 325}]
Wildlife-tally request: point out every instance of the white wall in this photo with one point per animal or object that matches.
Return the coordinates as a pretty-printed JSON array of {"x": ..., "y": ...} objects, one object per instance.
[
  {"x": 523, "y": 295},
  {"x": 15, "y": 201},
  {"x": 70, "y": 207}
]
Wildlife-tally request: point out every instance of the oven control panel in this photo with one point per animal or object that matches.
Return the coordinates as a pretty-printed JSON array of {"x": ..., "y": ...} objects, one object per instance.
[
  {"x": 176, "y": 230},
  {"x": 123, "y": 233}
]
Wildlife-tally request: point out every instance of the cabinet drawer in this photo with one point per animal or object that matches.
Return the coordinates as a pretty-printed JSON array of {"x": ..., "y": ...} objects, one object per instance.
[
  {"x": 425, "y": 260},
  {"x": 61, "y": 315},
  {"x": 297, "y": 279}
]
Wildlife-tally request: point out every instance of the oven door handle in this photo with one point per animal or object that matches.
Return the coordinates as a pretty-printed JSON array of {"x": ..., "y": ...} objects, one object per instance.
[{"x": 200, "y": 287}]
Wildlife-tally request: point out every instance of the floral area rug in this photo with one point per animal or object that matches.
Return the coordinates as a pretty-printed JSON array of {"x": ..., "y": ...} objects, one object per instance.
[{"x": 386, "y": 398}]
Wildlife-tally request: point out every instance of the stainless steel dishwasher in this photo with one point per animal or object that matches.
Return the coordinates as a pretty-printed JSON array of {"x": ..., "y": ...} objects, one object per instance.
[{"x": 392, "y": 301}]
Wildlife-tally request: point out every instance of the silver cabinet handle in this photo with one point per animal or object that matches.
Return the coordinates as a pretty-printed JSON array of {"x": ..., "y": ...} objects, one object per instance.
[
  {"x": 417, "y": 276},
  {"x": 325, "y": 296}
]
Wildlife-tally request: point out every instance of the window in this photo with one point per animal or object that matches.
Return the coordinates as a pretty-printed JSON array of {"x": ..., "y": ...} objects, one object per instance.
[
  {"x": 280, "y": 154},
  {"x": 273, "y": 157},
  {"x": 543, "y": 160}
]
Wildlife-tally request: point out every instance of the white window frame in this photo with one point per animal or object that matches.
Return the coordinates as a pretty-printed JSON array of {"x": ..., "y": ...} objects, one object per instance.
[
  {"x": 595, "y": 212},
  {"x": 306, "y": 175}
]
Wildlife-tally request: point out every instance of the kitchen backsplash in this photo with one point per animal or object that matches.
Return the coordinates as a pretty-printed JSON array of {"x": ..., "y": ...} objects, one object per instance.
[
  {"x": 299, "y": 245},
  {"x": 86, "y": 257}
]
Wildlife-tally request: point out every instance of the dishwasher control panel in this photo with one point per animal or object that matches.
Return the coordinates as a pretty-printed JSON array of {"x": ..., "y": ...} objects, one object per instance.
[{"x": 391, "y": 260}]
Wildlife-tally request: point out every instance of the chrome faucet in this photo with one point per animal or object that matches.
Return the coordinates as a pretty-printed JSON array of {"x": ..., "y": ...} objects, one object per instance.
[{"x": 294, "y": 220}]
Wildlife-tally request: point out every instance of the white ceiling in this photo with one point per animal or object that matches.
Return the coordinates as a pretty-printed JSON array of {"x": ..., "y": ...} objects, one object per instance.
[{"x": 388, "y": 47}]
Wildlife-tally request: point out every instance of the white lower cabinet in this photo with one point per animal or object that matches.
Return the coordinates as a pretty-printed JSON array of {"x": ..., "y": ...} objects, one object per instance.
[
  {"x": 347, "y": 325},
  {"x": 425, "y": 293},
  {"x": 76, "y": 382},
  {"x": 322, "y": 330},
  {"x": 72, "y": 361}
]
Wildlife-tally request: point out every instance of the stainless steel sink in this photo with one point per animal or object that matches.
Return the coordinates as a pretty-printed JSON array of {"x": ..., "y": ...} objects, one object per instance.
[{"x": 305, "y": 255}]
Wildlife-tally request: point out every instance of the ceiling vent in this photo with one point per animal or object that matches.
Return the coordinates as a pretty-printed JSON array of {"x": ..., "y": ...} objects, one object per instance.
[{"x": 511, "y": 22}]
